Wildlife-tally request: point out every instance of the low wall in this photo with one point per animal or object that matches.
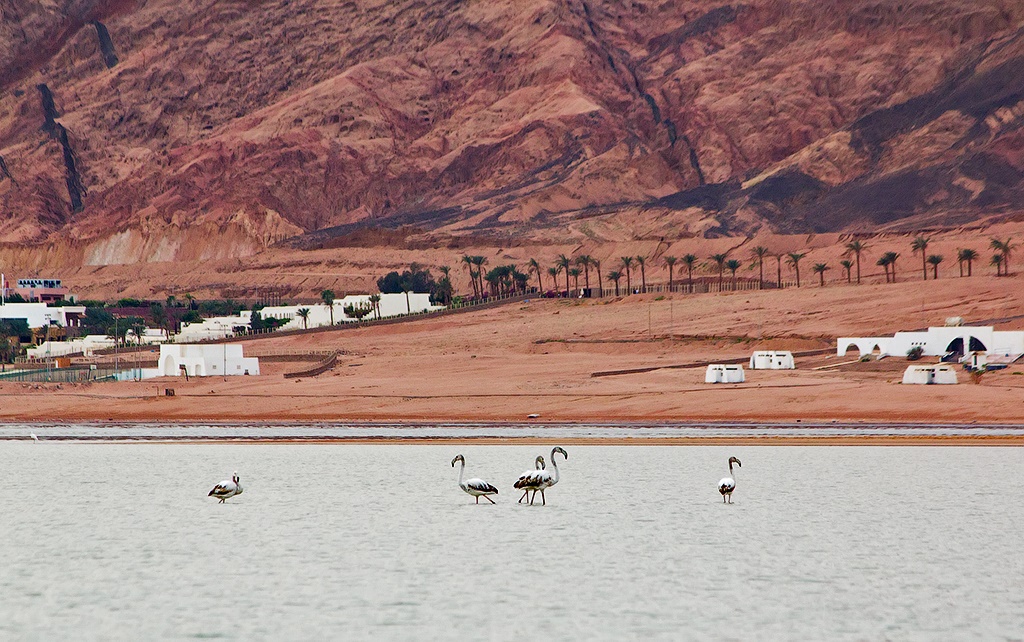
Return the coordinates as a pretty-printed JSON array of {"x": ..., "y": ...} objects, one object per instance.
[{"x": 320, "y": 368}]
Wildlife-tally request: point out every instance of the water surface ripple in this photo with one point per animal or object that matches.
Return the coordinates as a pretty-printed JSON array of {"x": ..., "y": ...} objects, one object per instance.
[{"x": 119, "y": 541}]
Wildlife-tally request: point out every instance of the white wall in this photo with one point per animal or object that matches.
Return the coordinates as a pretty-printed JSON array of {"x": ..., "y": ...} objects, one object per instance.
[
  {"x": 390, "y": 305},
  {"x": 934, "y": 341}
]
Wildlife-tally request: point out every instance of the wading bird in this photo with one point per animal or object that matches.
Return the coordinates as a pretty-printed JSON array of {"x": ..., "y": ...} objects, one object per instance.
[
  {"x": 227, "y": 489},
  {"x": 728, "y": 484},
  {"x": 524, "y": 479},
  {"x": 543, "y": 479},
  {"x": 476, "y": 487},
  {"x": 33, "y": 437}
]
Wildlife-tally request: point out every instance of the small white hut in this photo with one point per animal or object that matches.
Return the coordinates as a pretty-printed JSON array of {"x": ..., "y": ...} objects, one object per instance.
[
  {"x": 772, "y": 360},
  {"x": 724, "y": 373},
  {"x": 929, "y": 374}
]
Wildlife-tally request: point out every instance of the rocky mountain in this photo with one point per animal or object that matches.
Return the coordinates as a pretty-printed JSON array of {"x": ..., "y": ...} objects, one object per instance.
[{"x": 152, "y": 130}]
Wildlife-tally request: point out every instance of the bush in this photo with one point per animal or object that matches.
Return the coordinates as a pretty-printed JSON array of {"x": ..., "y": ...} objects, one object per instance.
[
  {"x": 977, "y": 374},
  {"x": 415, "y": 280},
  {"x": 357, "y": 311},
  {"x": 915, "y": 353}
]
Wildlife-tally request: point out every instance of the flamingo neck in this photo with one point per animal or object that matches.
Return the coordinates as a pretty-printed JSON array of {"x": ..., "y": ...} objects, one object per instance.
[
  {"x": 554, "y": 465},
  {"x": 462, "y": 469}
]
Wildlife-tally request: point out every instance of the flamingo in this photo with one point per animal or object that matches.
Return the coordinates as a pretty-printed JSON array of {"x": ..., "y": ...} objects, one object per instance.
[
  {"x": 476, "y": 487},
  {"x": 728, "y": 484},
  {"x": 227, "y": 489},
  {"x": 542, "y": 480},
  {"x": 33, "y": 437},
  {"x": 524, "y": 479}
]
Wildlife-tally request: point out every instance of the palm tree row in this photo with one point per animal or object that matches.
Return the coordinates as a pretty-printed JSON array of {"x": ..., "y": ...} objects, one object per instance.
[{"x": 855, "y": 250}]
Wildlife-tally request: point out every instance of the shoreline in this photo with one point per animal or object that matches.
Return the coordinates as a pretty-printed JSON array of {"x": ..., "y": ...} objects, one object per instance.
[
  {"x": 871, "y": 440},
  {"x": 646, "y": 433}
]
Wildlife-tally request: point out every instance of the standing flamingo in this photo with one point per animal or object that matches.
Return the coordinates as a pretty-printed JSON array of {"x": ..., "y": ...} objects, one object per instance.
[
  {"x": 227, "y": 489},
  {"x": 524, "y": 479},
  {"x": 476, "y": 487},
  {"x": 542, "y": 480},
  {"x": 728, "y": 484}
]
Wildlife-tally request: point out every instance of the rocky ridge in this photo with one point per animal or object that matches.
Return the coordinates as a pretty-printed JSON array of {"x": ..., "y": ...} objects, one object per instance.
[{"x": 139, "y": 131}]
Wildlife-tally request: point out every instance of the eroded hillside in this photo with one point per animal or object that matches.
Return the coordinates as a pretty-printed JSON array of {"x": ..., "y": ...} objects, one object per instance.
[{"x": 157, "y": 130}]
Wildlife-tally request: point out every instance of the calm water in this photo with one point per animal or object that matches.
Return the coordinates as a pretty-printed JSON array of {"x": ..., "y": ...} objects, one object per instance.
[{"x": 119, "y": 541}]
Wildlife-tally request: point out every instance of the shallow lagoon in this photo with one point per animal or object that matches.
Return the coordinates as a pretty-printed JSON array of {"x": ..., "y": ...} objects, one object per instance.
[{"x": 119, "y": 540}]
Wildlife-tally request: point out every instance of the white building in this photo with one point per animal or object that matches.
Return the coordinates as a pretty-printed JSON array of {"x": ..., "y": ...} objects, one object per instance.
[
  {"x": 39, "y": 315},
  {"x": 86, "y": 345},
  {"x": 206, "y": 360},
  {"x": 724, "y": 373},
  {"x": 214, "y": 328},
  {"x": 772, "y": 360},
  {"x": 938, "y": 342},
  {"x": 930, "y": 374}
]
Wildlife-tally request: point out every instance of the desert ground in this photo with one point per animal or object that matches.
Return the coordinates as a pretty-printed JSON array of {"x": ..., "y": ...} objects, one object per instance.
[{"x": 540, "y": 357}]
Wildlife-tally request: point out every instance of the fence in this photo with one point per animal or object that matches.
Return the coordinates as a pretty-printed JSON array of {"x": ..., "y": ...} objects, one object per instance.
[{"x": 71, "y": 375}]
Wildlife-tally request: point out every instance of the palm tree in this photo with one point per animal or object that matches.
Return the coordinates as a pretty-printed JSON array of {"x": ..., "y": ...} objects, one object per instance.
[
  {"x": 468, "y": 260},
  {"x": 642, "y": 261},
  {"x": 966, "y": 256},
  {"x": 920, "y": 244},
  {"x": 328, "y": 299},
  {"x": 719, "y": 261},
  {"x": 626, "y": 262},
  {"x": 520, "y": 280},
  {"x": 892, "y": 263},
  {"x": 847, "y": 267},
  {"x": 884, "y": 261},
  {"x": 615, "y": 275},
  {"x": 855, "y": 248},
  {"x": 997, "y": 261},
  {"x": 934, "y": 261},
  {"x": 575, "y": 274},
  {"x": 304, "y": 315},
  {"x": 584, "y": 261},
  {"x": 553, "y": 273},
  {"x": 670, "y": 261},
  {"x": 890, "y": 260},
  {"x": 794, "y": 260},
  {"x": 479, "y": 262},
  {"x": 534, "y": 266},
  {"x": 778, "y": 266},
  {"x": 690, "y": 260},
  {"x": 759, "y": 253},
  {"x": 1005, "y": 248},
  {"x": 375, "y": 302},
  {"x": 733, "y": 265},
  {"x": 819, "y": 269},
  {"x": 597, "y": 266},
  {"x": 564, "y": 262}
]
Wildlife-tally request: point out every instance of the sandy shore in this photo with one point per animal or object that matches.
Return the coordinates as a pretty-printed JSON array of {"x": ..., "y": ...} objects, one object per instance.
[{"x": 538, "y": 357}]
